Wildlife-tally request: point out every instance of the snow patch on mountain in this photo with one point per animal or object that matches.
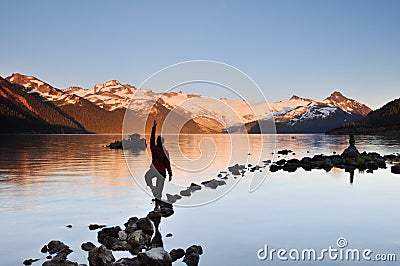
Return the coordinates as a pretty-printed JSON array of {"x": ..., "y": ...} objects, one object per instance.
[{"x": 314, "y": 112}]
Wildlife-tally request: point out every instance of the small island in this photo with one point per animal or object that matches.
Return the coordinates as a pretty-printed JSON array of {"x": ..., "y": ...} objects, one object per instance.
[{"x": 134, "y": 142}]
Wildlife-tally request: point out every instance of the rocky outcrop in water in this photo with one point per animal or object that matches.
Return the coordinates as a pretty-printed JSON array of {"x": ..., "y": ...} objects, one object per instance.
[
  {"x": 134, "y": 143},
  {"x": 349, "y": 160},
  {"x": 139, "y": 236}
]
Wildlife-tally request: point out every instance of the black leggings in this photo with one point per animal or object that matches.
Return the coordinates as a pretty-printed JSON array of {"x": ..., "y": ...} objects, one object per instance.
[{"x": 157, "y": 190}]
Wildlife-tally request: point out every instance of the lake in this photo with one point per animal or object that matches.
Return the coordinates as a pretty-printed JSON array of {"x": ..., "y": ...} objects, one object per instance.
[{"x": 50, "y": 181}]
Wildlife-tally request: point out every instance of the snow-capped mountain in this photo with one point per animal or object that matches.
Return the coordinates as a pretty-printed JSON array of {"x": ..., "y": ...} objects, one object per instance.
[
  {"x": 338, "y": 100},
  {"x": 33, "y": 85},
  {"x": 315, "y": 119},
  {"x": 213, "y": 115},
  {"x": 112, "y": 95}
]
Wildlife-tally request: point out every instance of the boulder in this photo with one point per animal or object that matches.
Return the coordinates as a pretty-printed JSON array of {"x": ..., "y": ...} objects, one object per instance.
[
  {"x": 194, "y": 187},
  {"x": 108, "y": 232},
  {"x": 44, "y": 249},
  {"x": 30, "y": 261},
  {"x": 96, "y": 226},
  {"x": 155, "y": 257},
  {"x": 138, "y": 238},
  {"x": 289, "y": 167},
  {"x": 236, "y": 169},
  {"x": 395, "y": 169},
  {"x": 351, "y": 151},
  {"x": 284, "y": 152},
  {"x": 130, "y": 225},
  {"x": 154, "y": 216},
  {"x": 122, "y": 235},
  {"x": 100, "y": 256},
  {"x": 213, "y": 183},
  {"x": 192, "y": 255},
  {"x": 186, "y": 192},
  {"x": 177, "y": 254},
  {"x": 274, "y": 168},
  {"x": 88, "y": 246},
  {"x": 56, "y": 246},
  {"x": 145, "y": 225}
]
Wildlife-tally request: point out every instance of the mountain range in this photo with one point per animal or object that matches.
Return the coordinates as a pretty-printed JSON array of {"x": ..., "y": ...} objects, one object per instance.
[
  {"x": 102, "y": 110},
  {"x": 383, "y": 121}
]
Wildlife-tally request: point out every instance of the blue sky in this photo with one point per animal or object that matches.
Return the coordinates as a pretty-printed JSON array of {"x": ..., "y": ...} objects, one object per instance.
[{"x": 307, "y": 48}]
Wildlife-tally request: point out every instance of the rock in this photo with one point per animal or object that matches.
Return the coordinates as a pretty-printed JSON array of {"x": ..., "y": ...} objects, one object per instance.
[
  {"x": 327, "y": 165},
  {"x": 62, "y": 255},
  {"x": 275, "y": 168},
  {"x": 289, "y": 167},
  {"x": 100, "y": 256},
  {"x": 54, "y": 262},
  {"x": 194, "y": 187},
  {"x": 88, "y": 246},
  {"x": 281, "y": 162},
  {"x": 352, "y": 141},
  {"x": 185, "y": 192},
  {"x": 168, "y": 235},
  {"x": 49, "y": 257},
  {"x": 44, "y": 249},
  {"x": 122, "y": 235},
  {"x": 56, "y": 246},
  {"x": 30, "y": 261},
  {"x": 145, "y": 225},
  {"x": 62, "y": 251},
  {"x": 165, "y": 212},
  {"x": 177, "y": 254},
  {"x": 155, "y": 257},
  {"x": 255, "y": 168},
  {"x": 192, "y": 255},
  {"x": 115, "y": 145},
  {"x": 130, "y": 225},
  {"x": 108, "y": 232},
  {"x": 173, "y": 198},
  {"x": 120, "y": 245},
  {"x": 154, "y": 216},
  {"x": 127, "y": 262},
  {"x": 96, "y": 226},
  {"x": 351, "y": 151},
  {"x": 395, "y": 169},
  {"x": 69, "y": 226},
  {"x": 138, "y": 238},
  {"x": 211, "y": 183},
  {"x": 284, "y": 152},
  {"x": 307, "y": 166},
  {"x": 236, "y": 169}
]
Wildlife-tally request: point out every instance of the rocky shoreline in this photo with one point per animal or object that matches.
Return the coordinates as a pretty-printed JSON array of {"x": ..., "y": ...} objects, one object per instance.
[
  {"x": 140, "y": 237},
  {"x": 349, "y": 160}
]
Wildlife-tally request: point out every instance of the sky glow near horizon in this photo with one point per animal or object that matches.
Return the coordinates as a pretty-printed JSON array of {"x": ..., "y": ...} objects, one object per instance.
[{"x": 307, "y": 48}]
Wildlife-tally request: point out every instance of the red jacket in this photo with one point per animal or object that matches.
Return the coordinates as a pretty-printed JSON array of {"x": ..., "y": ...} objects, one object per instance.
[{"x": 160, "y": 156}]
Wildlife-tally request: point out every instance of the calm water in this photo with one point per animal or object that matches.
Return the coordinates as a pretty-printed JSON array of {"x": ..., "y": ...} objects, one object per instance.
[{"x": 50, "y": 181}]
